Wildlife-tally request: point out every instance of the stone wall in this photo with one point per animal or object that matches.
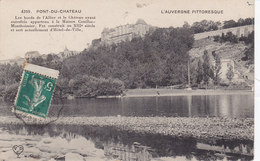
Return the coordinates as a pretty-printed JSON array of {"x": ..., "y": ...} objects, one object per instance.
[{"x": 239, "y": 31}]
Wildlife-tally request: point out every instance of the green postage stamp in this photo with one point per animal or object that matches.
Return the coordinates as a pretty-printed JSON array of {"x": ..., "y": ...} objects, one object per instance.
[{"x": 35, "y": 91}]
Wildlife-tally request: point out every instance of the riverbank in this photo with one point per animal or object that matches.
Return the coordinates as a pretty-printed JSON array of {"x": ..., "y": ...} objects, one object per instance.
[
  {"x": 199, "y": 128},
  {"x": 176, "y": 92}
]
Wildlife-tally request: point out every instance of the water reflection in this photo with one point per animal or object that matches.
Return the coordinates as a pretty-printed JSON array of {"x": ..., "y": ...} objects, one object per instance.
[
  {"x": 130, "y": 146},
  {"x": 235, "y": 106},
  {"x": 182, "y": 106},
  {"x": 127, "y": 153}
]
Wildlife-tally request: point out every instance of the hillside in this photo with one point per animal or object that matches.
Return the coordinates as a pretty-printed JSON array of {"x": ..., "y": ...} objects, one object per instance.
[{"x": 244, "y": 71}]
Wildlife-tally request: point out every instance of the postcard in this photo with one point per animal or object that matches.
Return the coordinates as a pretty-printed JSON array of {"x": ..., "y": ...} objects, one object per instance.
[{"x": 127, "y": 80}]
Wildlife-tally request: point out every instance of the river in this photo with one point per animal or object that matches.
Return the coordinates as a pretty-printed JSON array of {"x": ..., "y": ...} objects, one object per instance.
[
  {"x": 60, "y": 142},
  {"x": 234, "y": 106}
]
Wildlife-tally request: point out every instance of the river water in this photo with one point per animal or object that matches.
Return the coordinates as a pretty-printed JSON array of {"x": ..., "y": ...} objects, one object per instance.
[
  {"x": 60, "y": 142},
  {"x": 235, "y": 106}
]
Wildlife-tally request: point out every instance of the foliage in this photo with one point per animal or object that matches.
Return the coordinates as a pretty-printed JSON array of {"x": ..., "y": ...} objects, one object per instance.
[
  {"x": 62, "y": 89},
  {"x": 249, "y": 39},
  {"x": 205, "y": 25},
  {"x": 88, "y": 86},
  {"x": 199, "y": 71},
  {"x": 186, "y": 25},
  {"x": 2, "y": 90},
  {"x": 224, "y": 38},
  {"x": 10, "y": 92},
  {"x": 217, "y": 38},
  {"x": 9, "y": 78},
  {"x": 238, "y": 86},
  {"x": 51, "y": 61},
  {"x": 158, "y": 59},
  {"x": 229, "y": 24},
  {"x": 207, "y": 71},
  {"x": 216, "y": 68},
  {"x": 10, "y": 74},
  {"x": 229, "y": 37},
  {"x": 249, "y": 55},
  {"x": 240, "y": 22},
  {"x": 208, "y": 25}
]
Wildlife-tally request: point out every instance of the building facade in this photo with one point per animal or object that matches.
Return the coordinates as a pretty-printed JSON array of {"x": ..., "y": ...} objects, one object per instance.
[
  {"x": 67, "y": 53},
  {"x": 32, "y": 54},
  {"x": 124, "y": 32}
]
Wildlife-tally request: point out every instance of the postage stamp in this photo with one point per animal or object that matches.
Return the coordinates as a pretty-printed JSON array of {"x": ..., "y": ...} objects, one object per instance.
[{"x": 35, "y": 91}]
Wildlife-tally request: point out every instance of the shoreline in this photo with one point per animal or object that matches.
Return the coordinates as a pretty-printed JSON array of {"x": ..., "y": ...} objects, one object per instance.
[
  {"x": 177, "y": 92},
  {"x": 197, "y": 127}
]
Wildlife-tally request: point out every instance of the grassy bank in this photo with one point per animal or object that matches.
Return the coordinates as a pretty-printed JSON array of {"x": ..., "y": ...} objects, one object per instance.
[{"x": 200, "y": 128}]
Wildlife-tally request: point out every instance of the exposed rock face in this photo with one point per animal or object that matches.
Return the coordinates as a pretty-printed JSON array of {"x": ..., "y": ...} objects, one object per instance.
[{"x": 228, "y": 52}]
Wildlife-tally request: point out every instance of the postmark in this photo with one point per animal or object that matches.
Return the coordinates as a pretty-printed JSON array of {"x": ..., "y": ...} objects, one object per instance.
[{"x": 35, "y": 91}]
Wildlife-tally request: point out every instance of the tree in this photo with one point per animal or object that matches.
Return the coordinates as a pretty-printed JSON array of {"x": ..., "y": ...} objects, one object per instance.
[
  {"x": 207, "y": 71},
  {"x": 199, "y": 71},
  {"x": 49, "y": 57},
  {"x": 241, "y": 22},
  {"x": 160, "y": 58},
  {"x": 249, "y": 56},
  {"x": 249, "y": 21},
  {"x": 216, "y": 68},
  {"x": 250, "y": 39},
  {"x": 37, "y": 61},
  {"x": 228, "y": 37},
  {"x": 230, "y": 73},
  {"x": 229, "y": 24},
  {"x": 186, "y": 25},
  {"x": 205, "y": 25},
  {"x": 231, "y": 37}
]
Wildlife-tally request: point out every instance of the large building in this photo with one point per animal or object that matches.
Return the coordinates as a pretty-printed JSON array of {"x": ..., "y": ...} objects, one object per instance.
[{"x": 124, "y": 32}]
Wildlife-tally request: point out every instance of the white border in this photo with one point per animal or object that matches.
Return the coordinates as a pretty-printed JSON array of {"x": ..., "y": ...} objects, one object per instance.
[
  {"x": 41, "y": 70},
  {"x": 257, "y": 82}
]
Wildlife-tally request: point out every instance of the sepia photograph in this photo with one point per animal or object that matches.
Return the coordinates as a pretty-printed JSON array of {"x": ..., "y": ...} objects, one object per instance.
[{"x": 127, "y": 80}]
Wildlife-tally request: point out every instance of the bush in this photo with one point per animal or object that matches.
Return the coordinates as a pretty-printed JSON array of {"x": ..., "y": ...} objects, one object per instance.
[
  {"x": 89, "y": 86},
  {"x": 231, "y": 37},
  {"x": 228, "y": 37},
  {"x": 239, "y": 86},
  {"x": 217, "y": 38},
  {"x": 62, "y": 88},
  {"x": 10, "y": 92}
]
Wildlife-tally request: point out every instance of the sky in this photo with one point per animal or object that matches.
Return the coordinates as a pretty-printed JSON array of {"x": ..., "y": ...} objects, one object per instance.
[{"x": 108, "y": 13}]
